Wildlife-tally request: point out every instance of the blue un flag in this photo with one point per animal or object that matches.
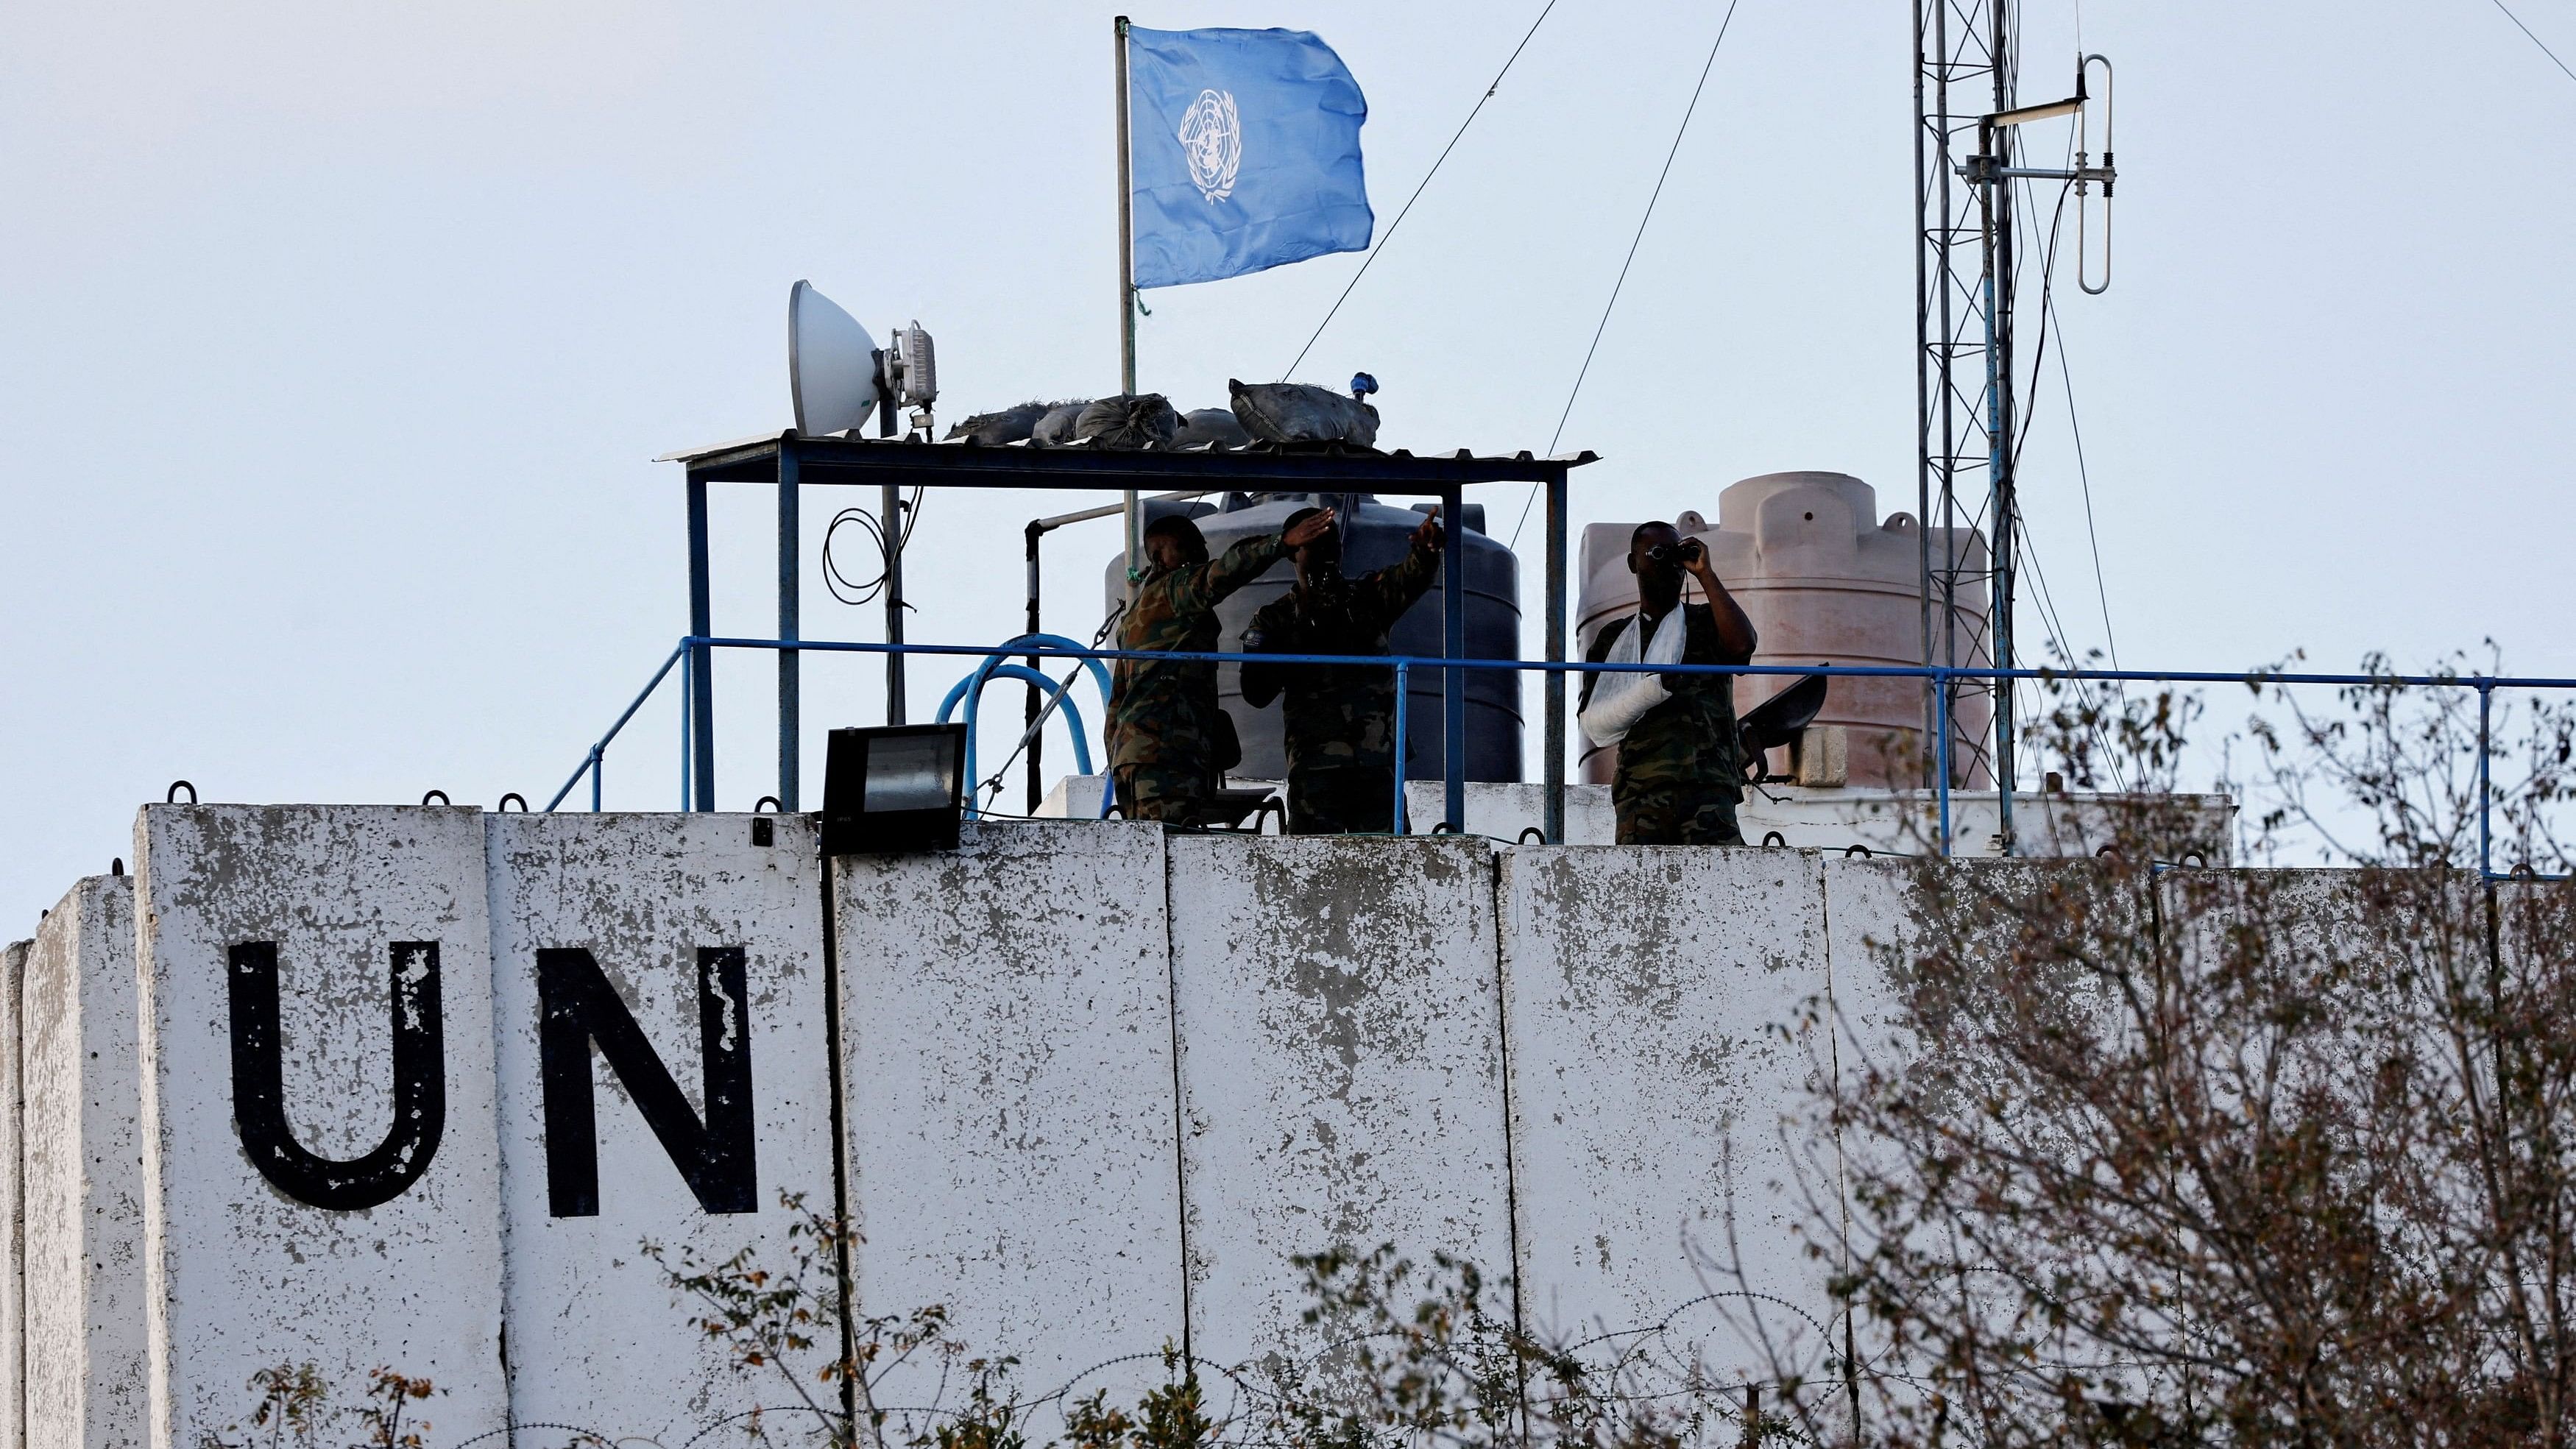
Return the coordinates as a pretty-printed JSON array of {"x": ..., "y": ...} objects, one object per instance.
[{"x": 1245, "y": 149}]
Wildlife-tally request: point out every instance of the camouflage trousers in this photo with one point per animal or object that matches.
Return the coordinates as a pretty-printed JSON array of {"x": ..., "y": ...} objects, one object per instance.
[
  {"x": 1162, "y": 792},
  {"x": 1677, "y": 815},
  {"x": 1341, "y": 802}
]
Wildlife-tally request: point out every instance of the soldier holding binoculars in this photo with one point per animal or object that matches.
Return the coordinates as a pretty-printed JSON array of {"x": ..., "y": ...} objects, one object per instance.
[{"x": 1680, "y": 772}]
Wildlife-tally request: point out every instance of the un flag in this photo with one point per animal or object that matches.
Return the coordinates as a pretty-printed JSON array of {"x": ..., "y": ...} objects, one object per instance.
[{"x": 1245, "y": 153}]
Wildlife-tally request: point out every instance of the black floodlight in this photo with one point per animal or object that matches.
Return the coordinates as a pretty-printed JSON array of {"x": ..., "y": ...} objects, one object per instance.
[{"x": 893, "y": 788}]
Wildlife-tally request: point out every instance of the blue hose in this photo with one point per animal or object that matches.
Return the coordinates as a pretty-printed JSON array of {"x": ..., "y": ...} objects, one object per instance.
[{"x": 971, "y": 689}]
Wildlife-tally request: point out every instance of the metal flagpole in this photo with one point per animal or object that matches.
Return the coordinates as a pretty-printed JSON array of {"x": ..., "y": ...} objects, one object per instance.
[{"x": 1133, "y": 521}]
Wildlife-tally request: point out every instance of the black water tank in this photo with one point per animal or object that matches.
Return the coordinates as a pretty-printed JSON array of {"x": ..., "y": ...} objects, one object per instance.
[{"x": 1374, "y": 535}]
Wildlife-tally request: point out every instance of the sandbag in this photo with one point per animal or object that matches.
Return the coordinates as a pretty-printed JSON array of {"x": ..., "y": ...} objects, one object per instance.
[
  {"x": 1055, "y": 429},
  {"x": 1211, "y": 428},
  {"x": 1297, "y": 412},
  {"x": 994, "y": 430},
  {"x": 1128, "y": 421}
]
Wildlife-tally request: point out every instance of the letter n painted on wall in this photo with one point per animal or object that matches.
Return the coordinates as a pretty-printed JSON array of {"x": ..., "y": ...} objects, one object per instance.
[{"x": 577, "y": 1006}]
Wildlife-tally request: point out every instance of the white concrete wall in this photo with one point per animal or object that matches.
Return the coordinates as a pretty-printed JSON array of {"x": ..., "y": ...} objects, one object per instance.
[
  {"x": 1007, "y": 1028},
  {"x": 240, "y": 1275},
  {"x": 13, "y": 1215},
  {"x": 1660, "y": 1059},
  {"x": 83, "y": 1175},
  {"x": 598, "y": 1336},
  {"x": 1341, "y": 1068}
]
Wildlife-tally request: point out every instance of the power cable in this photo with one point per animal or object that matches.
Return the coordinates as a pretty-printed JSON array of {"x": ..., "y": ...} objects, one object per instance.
[
  {"x": 2536, "y": 40},
  {"x": 862, "y": 591},
  {"x": 1633, "y": 243},
  {"x": 1389, "y": 234}
]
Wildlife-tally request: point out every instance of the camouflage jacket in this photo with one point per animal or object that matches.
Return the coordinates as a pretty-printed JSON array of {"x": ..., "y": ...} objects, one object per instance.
[
  {"x": 1687, "y": 742},
  {"x": 1336, "y": 715},
  {"x": 1166, "y": 714}
]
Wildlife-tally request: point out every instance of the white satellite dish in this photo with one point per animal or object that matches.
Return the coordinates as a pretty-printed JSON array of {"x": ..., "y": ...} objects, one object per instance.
[{"x": 831, "y": 364}]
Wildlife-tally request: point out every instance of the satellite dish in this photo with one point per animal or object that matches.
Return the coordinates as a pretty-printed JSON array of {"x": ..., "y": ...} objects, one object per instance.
[{"x": 831, "y": 363}]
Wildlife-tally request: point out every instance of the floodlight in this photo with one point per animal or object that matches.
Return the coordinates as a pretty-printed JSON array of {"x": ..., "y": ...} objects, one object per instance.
[{"x": 892, "y": 788}]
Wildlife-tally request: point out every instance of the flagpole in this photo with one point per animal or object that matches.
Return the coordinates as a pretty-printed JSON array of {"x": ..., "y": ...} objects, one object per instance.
[{"x": 1133, "y": 522}]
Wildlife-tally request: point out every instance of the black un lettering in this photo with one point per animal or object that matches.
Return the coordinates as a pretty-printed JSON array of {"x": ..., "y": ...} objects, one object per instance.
[
  {"x": 420, "y": 1084},
  {"x": 577, "y": 1007}
]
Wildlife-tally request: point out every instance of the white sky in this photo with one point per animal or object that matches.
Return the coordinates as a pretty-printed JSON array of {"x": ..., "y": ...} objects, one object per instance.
[{"x": 336, "y": 338}]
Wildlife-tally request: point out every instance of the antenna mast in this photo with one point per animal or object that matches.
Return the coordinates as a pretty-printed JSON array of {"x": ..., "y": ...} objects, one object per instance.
[{"x": 1964, "y": 286}]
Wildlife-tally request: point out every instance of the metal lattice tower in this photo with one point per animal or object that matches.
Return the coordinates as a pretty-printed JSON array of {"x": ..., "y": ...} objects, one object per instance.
[{"x": 1963, "y": 271}]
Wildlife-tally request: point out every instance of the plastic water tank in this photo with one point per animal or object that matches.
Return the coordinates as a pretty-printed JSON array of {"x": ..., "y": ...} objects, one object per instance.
[
  {"x": 1825, "y": 582},
  {"x": 1375, "y": 534}
]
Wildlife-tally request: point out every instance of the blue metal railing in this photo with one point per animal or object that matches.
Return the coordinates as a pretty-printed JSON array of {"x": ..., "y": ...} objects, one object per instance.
[{"x": 1940, "y": 675}]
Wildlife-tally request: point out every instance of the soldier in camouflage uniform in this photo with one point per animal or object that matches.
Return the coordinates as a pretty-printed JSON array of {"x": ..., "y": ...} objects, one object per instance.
[
  {"x": 1165, "y": 727},
  {"x": 1339, "y": 718},
  {"x": 1680, "y": 765}
]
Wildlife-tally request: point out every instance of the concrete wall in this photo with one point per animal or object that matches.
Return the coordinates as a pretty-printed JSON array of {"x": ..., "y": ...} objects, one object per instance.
[
  {"x": 83, "y": 1175},
  {"x": 1341, "y": 1068},
  {"x": 1008, "y": 1036},
  {"x": 13, "y": 1223},
  {"x": 1099, "y": 1085},
  {"x": 598, "y": 1336},
  {"x": 241, "y": 1275},
  {"x": 1661, "y": 1172}
]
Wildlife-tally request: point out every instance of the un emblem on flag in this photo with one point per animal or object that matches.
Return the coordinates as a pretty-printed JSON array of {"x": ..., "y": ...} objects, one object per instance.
[{"x": 1212, "y": 139}]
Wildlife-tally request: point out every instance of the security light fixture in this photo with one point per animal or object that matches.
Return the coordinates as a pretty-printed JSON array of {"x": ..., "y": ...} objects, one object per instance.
[{"x": 893, "y": 788}]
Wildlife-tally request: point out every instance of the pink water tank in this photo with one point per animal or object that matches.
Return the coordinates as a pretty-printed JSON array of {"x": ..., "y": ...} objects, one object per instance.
[{"x": 1825, "y": 582}]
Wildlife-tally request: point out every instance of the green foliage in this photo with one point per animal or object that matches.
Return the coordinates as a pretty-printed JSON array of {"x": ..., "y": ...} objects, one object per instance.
[{"x": 292, "y": 1408}]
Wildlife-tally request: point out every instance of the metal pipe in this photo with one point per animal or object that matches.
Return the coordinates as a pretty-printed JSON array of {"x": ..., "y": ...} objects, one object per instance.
[
  {"x": 700, "y": 705},
  {"x": 1853, "y": 671},
  {"x": 1033, "y": 738},
  {"x": 1402, "y": 687},
  {"x": 1922, "y": 366},
  {"x": 596, "y": 761},
  {"x": 1112, "y": 510},
  {"x": 1453, "y": 646},
  {"x": 890, "y": 519},
  {"x": 1941, "y": 734},
  {"x": 2486, "y": 859},
  {"x": 1553, "y": 808},
  {"x": 1134, "y": 525},
  {"x": 790, "y": 625},
  {"x": 678, "y": 652}
]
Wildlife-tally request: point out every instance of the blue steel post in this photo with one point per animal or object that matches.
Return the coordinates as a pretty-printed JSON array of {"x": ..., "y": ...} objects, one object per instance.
[
  {"x": 1941, "y": 749},
  {"x": 1402, "y": 685},
  {"x": 1552, "y": 811},
  {"x": 701, "y": 694},
  {"x": 1453, "y": 645},
  {"x": 2486, "y": 859},
  {"x": 790, "y": 598},
  {"x": 595, "y": 752},
  {"x": 688, "y": 700}
]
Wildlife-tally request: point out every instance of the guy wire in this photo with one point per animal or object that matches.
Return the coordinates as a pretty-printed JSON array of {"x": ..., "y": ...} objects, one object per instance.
[
  {"x": 1417, "y": 191},
  {"x": 1631, "y": 260}
]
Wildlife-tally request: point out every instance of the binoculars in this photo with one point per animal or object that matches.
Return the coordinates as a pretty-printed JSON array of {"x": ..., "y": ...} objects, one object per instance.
[{"x": 1688, "y": 551}]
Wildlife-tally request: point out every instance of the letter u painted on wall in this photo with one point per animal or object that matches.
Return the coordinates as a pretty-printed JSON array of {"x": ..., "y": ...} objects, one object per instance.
[
  {"x": 577, "y": 1008},
  {"x": 420, "y": 1084}
]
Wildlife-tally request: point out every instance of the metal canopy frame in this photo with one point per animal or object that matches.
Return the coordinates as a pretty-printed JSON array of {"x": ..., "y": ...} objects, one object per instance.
[{"x": 789, "y": 460}]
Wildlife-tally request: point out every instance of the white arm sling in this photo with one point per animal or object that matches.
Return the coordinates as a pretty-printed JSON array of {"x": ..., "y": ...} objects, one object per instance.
[{"x": 1620, "y": 700}]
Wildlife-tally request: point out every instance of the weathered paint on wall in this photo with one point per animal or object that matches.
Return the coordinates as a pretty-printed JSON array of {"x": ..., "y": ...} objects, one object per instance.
[
  {"x": 83, "y": 1175},
  {"x": 598, "y": 1336},
  {"x": 1341, "y": 1068},
  {"x": 241, "y": 1276},
  {"x": 13, "y": 1216},
  {"x": 1007, "y": 1028},
  {"x": 1660, "y": 1173}
]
